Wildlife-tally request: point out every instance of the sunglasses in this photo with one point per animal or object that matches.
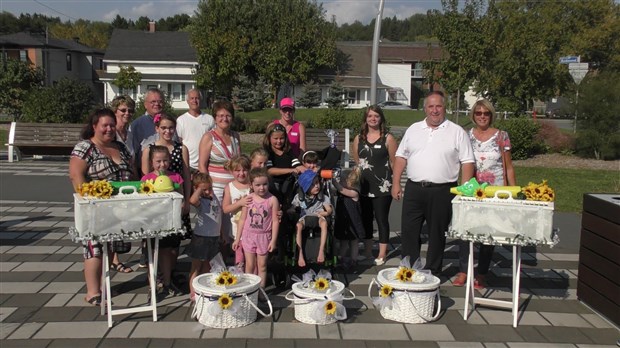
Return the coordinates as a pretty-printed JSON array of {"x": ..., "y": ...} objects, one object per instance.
[
  {"x": 278, "y": 128},
  {"x": 287, "y": 110},
  {"x": 481, "y": 113},
  {"x": 131, "y": 111}
]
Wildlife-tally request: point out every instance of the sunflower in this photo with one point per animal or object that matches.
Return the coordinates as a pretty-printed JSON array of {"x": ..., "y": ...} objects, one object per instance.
[
  {"x": 221, "y": 280},
  {"x": 147, "y": 187},
  {"x": 321, "y": 284},
  {"x": 231, "y": 280},
  {"x": 330, "y": 307},
  {"x": 400, "y": 275},
  {"x": 404, "y": 274},
  {"x": 479, "y": 194},
  {"x": 225, "y": 301},
  {"x": 385, "y": 291}
]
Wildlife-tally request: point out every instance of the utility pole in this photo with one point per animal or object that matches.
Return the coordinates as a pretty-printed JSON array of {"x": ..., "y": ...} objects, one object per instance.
[{"x": 375, "y": 56}]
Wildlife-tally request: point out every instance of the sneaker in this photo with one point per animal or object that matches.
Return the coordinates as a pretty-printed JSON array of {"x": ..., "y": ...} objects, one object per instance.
[
  {"x": 379, "y": 261},
  {"x": 143, "y": 261},
  {"x": 460, "y": 279}
]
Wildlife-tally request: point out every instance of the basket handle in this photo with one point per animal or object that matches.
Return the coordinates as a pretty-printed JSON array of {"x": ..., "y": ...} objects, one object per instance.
[
  {"x": 195, "y": 313},
  {"x": 348, "y": 298},
  {"x": 433, "y": 318},
  {"x": 373, "y": 281},
  {"x": 298, "y": 300},
  {"x": 256, "y": 307},
  {"x": 122, "y": 190},
  {"x": 503, "y": 192}
]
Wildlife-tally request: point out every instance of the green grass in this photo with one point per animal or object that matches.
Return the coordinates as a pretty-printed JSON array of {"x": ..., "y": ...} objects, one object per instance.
[
  {"x": 571, "y": 184},
  {"x": 4, "y": 136}
]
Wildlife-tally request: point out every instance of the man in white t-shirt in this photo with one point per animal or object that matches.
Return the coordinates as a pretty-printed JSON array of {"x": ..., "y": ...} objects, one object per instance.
[
  {"x": 192, "y": 125},
  {"x": 433, "y": 151}
]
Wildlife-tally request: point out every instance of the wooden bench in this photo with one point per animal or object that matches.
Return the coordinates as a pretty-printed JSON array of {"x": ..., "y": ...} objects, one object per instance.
[
  {"x": 317, "y": 139},
  {"x": 42, "y": 139}
]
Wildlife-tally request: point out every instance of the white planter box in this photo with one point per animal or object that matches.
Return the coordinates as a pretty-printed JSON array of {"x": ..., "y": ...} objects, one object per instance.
[
  {"x": 127, "y": 216},
  {"x": 502, "y": 221}
]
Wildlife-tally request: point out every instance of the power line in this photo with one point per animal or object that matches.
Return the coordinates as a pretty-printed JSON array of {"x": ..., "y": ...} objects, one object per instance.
[{"x": 60, "y": 13}]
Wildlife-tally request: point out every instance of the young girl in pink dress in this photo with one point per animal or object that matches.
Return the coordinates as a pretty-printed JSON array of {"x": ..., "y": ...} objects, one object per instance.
[{"x": 258, "y": 225}]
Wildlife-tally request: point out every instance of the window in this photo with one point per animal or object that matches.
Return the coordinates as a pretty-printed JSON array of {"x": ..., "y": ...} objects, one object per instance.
[
  {"x": 68, "y": 61},
  {"x": 353, "y": 96},
  {"x": 176, "y": 91},
  {"x": 23, "y": 56}
]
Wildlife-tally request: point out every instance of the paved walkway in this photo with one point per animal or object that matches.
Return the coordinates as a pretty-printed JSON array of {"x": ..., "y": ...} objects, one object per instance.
[{"x": 42, "y": 290}]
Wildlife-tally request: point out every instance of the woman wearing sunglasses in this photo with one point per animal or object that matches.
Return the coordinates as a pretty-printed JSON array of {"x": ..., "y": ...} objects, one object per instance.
[
  {"x": 124, "y": 108},
  {"x": 493, "y": 166}
]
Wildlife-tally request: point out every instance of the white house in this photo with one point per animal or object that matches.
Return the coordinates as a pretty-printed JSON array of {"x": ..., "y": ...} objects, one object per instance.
[{"x": 165, "y": 59}]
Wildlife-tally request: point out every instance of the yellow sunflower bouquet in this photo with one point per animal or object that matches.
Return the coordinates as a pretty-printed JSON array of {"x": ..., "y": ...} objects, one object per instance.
[
  {"x": 539, "y": 192},
  {"x": 226, "y": 278},
  {"x": 96, "y": 189}
]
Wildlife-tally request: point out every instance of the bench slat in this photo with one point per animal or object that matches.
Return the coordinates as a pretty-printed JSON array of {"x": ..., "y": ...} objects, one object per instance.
[{"x": 43, "y": 138}]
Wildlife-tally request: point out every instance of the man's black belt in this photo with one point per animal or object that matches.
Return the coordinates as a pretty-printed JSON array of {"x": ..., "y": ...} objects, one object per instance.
[{"x": 432, "y": 184}]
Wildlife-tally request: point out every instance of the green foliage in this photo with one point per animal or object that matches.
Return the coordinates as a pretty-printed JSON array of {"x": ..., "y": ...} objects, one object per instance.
[
  {"x": 17, "y": 80},
  {"x": 335, "y": 100},
  {"x": 338, "y": 118},
  {"x": 127, "y": 78},
  {"x": 68, "y": 101},
  {"x": 598, "y": 114},
  {"x": 247, "y": 41},
  {"x": 523, "y": 136},
  {"x": 249, "y": 95},
  {"x": 90, "y": 33},
  {"x": 168, "y": 109},
  {"x": 311, "y": 95}
]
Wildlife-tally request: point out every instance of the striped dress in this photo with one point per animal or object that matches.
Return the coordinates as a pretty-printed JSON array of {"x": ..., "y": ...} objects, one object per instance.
[{"x": 220, "y": 154}]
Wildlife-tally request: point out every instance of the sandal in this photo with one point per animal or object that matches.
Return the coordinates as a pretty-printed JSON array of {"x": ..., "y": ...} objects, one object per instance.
[
  {"x": 120, "y": 268},
  {"x": 95, "y": 300}
]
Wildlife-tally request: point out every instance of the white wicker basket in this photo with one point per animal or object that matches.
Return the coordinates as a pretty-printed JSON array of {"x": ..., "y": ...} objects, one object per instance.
[
  {"x": 412, "y": 302},
  {"x": 305, "y": 299},
  {"x": 246, "y": 291}
]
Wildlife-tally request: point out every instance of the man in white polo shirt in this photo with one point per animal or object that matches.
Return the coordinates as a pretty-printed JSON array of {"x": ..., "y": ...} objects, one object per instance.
[
  {"x": 433, "y": 151},
  {"x": 192, "y": 125}
]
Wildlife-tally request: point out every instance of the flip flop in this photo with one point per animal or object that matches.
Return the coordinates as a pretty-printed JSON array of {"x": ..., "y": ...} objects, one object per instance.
[
  {"x": 120, "y": 268},
  {"x": 95, "y": 300}
]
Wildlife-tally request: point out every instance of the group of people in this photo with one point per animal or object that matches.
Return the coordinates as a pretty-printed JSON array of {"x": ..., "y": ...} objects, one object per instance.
[{"x": 239, "y": 199}]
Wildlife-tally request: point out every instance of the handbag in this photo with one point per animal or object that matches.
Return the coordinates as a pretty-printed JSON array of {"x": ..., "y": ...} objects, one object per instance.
[{"x": 500, "y": 141}]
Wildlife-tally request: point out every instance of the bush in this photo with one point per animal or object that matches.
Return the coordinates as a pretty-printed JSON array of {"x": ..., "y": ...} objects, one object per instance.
[
  {"x": 589, "y": 145},
  {"x": 554, "y": 139},
  {"x": 522, "y": 132},
  {"x": 336, "y": 119},
  {"x": 68, "y": 101}
]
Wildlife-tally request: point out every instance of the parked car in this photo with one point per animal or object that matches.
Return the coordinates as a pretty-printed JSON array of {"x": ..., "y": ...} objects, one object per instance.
[{"x": 394, "y": 105}]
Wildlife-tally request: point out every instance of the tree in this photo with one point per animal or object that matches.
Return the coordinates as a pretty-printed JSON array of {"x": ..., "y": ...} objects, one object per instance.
[
  {"x": 92, "y": 34},
  {"x": 248, "y": 42},
  {"x": 8, "y": 23},
  {"x": 127, "y": 78},
  {"x": 311, "y": 95},
  {"x": 249, "y": 95},
  {"x": 120, "y": 22},
  {"x": 599, "y": 116},
  {"x": 68, "y": 101},
  {"x": 17, "y": 80},
  {"x": 335, "y": 100}
]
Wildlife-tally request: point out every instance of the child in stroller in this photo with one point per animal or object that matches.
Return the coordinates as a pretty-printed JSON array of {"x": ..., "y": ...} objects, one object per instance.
[{"x": 315, "y": 210}]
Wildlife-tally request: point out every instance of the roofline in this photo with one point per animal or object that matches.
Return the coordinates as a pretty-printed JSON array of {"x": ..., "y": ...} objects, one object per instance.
[{"x": 121, "y": 62}]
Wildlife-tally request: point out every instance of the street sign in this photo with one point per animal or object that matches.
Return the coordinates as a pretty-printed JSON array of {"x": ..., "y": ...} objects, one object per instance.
[
  {"x": 570, "y": 59},
  {"x": 578, "y": 71}
]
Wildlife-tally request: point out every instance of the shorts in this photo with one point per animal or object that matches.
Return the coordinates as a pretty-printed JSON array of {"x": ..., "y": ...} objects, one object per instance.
[
  {"x": 171, "y": 241},
  {"x": 256, "y": 243},
  {"x": 312, "y": 221},
  {"x": 92, "y": 249},
  {"x": 203, "y": 248}
]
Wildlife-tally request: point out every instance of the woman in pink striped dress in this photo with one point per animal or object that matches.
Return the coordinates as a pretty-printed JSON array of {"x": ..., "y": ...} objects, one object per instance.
[{"x": 216, "y": 148}]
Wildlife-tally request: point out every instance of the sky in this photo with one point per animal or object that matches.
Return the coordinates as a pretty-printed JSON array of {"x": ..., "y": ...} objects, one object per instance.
[{"x": 345, "y": 11}]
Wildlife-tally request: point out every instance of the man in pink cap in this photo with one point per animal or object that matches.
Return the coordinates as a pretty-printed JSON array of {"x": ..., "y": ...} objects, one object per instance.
[{"x": 295, "y": 131}]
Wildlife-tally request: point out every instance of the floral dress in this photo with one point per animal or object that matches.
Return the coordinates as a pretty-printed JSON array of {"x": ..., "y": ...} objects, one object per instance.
[
  {"x": 489, "y": 166},
  {"x": 374, "y": 162}
]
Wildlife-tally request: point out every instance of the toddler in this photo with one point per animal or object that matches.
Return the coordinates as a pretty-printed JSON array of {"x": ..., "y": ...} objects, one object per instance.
[
  {"x": 348, "y": 226},
  {"x": 258, "y": 226},
  {"x": 315, "y": 209},
  {"x": 204, "y": 245},
  {"x": 310, "y": 160},
  {"x": 236, "y": 196}
]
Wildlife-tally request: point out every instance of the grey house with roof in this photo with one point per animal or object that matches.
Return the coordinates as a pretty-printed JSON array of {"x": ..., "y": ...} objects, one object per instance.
[
  {"x": 165, "y": 59},
  {"x": 58, "y": 58}
]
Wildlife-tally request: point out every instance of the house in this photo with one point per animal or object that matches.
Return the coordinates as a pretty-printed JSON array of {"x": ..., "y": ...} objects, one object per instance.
[
  {"x": 56, "y": 57},
  {"x": 400, "y": 70},
  {"x": 165, "y": 59}
]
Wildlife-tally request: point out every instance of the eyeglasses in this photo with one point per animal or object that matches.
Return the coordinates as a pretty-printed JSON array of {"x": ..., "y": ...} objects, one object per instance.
[
  {"x": 131, "y": 111},
  {"x": 278, "y": 128},
  {"x": 169, "y": 129},
  {"x": 154, "y": 102},
  {"x": 288, "y": 110},
  {"x": 481, "y": 113}
]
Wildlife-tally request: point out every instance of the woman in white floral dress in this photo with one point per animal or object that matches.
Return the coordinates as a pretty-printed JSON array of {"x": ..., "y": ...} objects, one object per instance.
[
  {"x": 493, "y": 166},
  {"x": 373, "y": 151}
]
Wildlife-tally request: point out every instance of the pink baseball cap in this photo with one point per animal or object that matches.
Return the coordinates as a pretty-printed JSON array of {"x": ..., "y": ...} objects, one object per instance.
[{"x": 287, "y": 103}]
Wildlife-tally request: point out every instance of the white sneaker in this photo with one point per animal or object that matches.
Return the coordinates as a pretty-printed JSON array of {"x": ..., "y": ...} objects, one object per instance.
[{"x": 379, "y": 261}]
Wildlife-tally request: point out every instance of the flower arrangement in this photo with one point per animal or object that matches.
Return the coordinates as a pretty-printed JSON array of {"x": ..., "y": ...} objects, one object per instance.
[
  {"x": 404, "y": 274},
  {"x": 317, "y": 281},
  {"x": 539, "y": 192},
  {"x": 226, "y": 278},
  {"x": 321, "y": 284},
  {"x": 386, "y": 291},
  {"x": 96, "y": 189}
]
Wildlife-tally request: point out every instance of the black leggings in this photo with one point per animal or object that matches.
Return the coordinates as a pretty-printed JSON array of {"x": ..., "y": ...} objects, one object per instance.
[{"x": 377, "y": 208}]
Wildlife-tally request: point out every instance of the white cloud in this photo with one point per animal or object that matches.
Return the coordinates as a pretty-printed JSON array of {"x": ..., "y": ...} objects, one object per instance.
[
  {"x": 146, "y": 9},
  {"x": 348, "y": 11},
  {"x": 109, "y": 17}
]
